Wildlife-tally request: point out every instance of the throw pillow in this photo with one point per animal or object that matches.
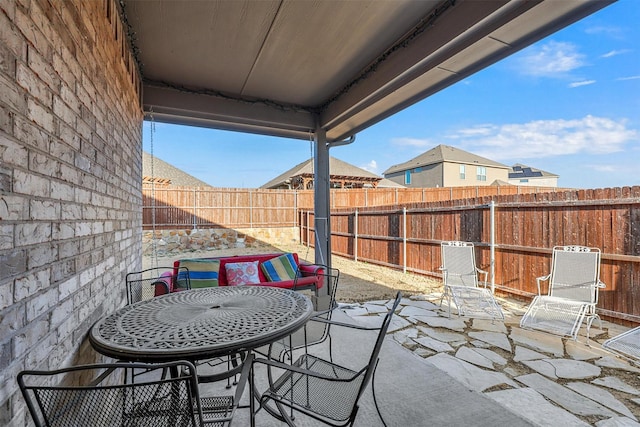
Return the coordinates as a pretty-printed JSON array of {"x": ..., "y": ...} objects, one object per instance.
[
  {"x": 242, "y": 273},
  {"x": 203, "y": 273},
  {"x": 280, "y": 269}
]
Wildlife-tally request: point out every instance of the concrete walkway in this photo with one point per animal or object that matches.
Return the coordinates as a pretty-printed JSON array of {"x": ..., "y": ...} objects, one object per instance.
[{"x": 438, "y": 371}]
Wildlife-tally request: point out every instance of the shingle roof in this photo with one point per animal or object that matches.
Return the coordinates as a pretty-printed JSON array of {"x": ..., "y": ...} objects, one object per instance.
[
  {"x": 336, "y": 168},
  {"x": 164, "y": 171},
  {"x": 443, "y": 153},
  {"x": 523, "y": 171}
]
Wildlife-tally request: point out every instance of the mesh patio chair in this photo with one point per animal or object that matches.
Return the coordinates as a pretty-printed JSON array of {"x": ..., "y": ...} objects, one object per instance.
[
  {"x": 316, "y": 330},
  {"x": 626, "y": 344},
  {"x": 572, "y": 296},
  {"x": 142, "y": 285},
  {"x": 319, "y": 388},
  {"x": 461, "y": 284},
  {"x": 93, "y": 395}
]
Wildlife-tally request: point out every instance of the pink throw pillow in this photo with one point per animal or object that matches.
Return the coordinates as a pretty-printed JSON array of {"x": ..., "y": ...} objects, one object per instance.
[{"x": 242, "y": 273}]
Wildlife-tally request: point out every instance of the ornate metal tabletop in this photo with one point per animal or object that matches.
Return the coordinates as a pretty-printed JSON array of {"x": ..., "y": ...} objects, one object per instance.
[{"x": 201, "y": 323}]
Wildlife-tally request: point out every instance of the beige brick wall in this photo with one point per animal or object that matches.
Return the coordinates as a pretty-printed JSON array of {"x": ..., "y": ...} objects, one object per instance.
[{"x": 70, "y": 183}]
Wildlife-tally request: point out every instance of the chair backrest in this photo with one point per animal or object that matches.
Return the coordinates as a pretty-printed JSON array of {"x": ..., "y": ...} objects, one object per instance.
[
  {"x": 141, "y": 284},
  {"x": 575, "y": 272},
  {"x": 94, "y": 395},
  {"x": 459, "y": 264},
  {"x": 317, "y": 332},
  {"x": 375, "y": 353}
]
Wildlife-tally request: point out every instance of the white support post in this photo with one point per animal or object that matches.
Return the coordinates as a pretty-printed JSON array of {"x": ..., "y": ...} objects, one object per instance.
[{"x": 322, "y": 219}]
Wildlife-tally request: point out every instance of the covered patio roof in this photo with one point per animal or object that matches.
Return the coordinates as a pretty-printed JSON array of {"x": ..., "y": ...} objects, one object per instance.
[
  {"x": 322, "y": 69},
  {"x": 289, "y": 67}
]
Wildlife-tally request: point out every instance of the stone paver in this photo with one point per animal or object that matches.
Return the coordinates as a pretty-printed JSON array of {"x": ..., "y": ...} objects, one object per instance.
[
  {"x": 444, "y": 336},
  {"x": 488, "y": 325},
  {"x": 427, "y": 305},
  {"x": 433, "y": 344},
  {"x": 410, "y": 311},
  {"x": 475, "y": 378},
  {"x": 568, "y": 399},
  {"x": 532, "y": 406},
  {"x": 612, "y": 362},
  {"x": 563, "y": 368},
  {"x": 616, "y": 384},
  {"x": 617, "y": 422},
  {"x": 472, "y": 356},
  {"x": 443, "y": 322},
  {"x": 495, "y": 338},
  {"x": 600, "y": 395},
  {"x": 578, "y": 350},
  {"x": 523, "y": 353},
  {"x": 539, "y": 341}
]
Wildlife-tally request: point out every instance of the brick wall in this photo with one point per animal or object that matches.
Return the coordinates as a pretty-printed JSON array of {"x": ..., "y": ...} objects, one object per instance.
[{"x": 70, "y": 182}]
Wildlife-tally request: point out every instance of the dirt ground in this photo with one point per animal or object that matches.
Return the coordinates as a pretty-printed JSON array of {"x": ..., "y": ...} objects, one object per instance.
[{"x": 359, "y": 281}]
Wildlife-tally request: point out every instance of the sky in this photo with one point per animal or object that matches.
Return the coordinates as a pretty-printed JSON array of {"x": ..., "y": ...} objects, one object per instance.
[{"x": 569, "y": 105}]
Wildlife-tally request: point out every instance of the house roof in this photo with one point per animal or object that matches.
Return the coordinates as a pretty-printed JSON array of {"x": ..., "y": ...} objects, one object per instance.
[
  {"x": 290, "y": 67},
  {"x": 523, "y": 171},
  {"x": 167, "y": 174},
  {"x": 337, "y": 168},
  {"x": 441, "y": 154}
]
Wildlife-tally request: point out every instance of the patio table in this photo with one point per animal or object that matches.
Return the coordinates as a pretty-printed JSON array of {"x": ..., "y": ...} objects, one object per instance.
[{"x": 201, "y": 323}]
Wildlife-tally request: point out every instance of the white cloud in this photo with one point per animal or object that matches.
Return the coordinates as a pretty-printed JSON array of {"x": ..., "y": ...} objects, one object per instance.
[
  {"x": 547, "y": 138},
  {"x": 582, "y": 83},
  {"x": 372, "y": 166},
  {"x": 615, "y": 53},
  {"x": 628, "y": 78},
  {"x": 609, "y": 31},
  {"x": 412, "y": 142},
  {"x": 553, "y": 59}
]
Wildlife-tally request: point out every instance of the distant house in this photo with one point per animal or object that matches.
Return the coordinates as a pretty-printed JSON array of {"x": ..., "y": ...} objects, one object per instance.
[
  {"x": 526, "y": 175},
  {"x": 445, "y": 166},
  {"x": 155, "y": 170},
  {"x": 341, "y": 175}
]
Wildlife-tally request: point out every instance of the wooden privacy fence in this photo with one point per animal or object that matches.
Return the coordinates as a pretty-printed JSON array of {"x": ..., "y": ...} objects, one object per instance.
[
  {"x": 527, "y": 226},
  {"x": 203, "y": 207},
  {"x": 207, "y": 207}
]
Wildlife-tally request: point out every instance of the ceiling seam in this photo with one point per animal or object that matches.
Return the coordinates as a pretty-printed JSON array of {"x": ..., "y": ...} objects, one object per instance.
[{"x": 264, "y": 42}]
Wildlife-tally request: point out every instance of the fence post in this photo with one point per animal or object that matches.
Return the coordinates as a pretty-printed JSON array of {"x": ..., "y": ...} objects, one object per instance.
[
  {"x": 195, "y": 208},
  {"x": 404, "y": 240},
  {"x": 492, "y": 245},
  {"x": 308, "y": 227},
  {"x": 250, "y": 210},
  {"x": 355, "y": 237}
]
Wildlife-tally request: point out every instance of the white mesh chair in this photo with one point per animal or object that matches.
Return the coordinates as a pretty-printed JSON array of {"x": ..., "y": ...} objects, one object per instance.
[
  {"x": 626, "y": 344},
  {"x": 572, "y": 295},
  {"x": 461, "y": 284}
]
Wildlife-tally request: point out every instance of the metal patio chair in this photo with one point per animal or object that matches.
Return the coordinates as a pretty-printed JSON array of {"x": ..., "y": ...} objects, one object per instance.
[
  {"x": 319, "y": 388},
  {"x": 94, "y": 395},
  {"x": 142, "y": 284},
  {"x": 626, "y": 344},
  {"x": 316, "y": 330},
  {"x": 572, "y": 296},
  {"x": 461, "y": 284}
]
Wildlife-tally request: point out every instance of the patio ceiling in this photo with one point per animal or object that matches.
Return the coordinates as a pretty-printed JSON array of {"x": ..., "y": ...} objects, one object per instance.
[{"x": 288, "y": 67}]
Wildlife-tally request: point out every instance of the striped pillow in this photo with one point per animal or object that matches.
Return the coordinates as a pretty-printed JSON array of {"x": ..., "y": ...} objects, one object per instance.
[
  {"x": 203, "y": 273},
  {"x": 280, "y": 269}
]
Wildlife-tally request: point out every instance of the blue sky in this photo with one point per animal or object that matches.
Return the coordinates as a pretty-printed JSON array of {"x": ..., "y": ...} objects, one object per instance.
[{"x": 569, "y": 105}]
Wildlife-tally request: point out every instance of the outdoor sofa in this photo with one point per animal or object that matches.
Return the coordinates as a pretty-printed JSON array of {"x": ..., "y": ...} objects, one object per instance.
[{"x": 281, "y": 270}]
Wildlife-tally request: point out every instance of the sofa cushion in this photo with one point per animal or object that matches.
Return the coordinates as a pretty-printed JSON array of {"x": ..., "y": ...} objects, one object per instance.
[
  {"x": 281, "y": 268},
  {"x": 203, "y": 273},
  {"x": 242, "y": 273}
]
